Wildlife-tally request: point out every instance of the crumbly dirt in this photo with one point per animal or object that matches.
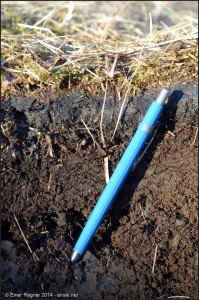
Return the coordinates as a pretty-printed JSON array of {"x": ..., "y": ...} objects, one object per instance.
[{"x": 52, "y": 176}]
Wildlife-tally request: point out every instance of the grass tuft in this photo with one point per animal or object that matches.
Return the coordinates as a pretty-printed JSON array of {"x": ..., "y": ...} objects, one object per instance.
[{"x": 82, "y": 44}]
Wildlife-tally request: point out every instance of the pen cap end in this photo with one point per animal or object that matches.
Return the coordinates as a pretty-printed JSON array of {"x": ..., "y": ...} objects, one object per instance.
[{"x": 162, "y": 97}]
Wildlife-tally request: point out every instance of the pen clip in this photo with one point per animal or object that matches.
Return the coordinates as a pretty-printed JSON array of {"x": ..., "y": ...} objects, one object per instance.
[{"x": 152, "y": 135}]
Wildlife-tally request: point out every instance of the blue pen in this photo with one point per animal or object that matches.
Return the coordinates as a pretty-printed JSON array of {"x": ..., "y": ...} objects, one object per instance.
[{"x": 125, "y": 164}]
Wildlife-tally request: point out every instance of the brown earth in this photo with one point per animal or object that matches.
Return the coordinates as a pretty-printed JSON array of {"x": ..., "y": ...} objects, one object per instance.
[{"x": 52, "y": 176}]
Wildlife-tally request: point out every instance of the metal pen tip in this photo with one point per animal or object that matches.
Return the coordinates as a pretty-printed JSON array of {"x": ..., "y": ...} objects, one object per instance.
[{"x": 75, "y": 257}]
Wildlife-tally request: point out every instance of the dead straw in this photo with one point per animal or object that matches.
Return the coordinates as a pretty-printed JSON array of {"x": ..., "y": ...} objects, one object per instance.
[
  {"x": 94, "y": 140},
  {"x": 102, "y": 114},
  {"x": 154, "y": 259},
  {"x": 35, "y": 257},
  {"x": 195, "y": 137},
  {"x": 106, "y": 169},
  {"x": 81, "y": 40}
]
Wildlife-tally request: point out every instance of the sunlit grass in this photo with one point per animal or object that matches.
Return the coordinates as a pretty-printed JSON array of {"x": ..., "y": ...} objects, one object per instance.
[{"x": 83, "y": 44}]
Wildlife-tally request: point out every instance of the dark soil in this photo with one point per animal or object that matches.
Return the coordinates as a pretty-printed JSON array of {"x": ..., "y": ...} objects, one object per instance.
[{"x": 52, "y": 176}]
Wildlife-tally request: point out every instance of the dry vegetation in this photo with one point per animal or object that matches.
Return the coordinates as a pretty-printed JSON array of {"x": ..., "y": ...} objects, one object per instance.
[{"x": 82, "y": 44}]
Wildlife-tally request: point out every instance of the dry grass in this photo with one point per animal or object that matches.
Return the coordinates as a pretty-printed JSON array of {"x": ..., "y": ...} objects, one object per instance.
[{"x": 82, "y": 44}]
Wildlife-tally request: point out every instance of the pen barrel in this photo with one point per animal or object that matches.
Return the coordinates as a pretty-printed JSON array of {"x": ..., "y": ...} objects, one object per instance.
[{"x": 119, "y": 175}]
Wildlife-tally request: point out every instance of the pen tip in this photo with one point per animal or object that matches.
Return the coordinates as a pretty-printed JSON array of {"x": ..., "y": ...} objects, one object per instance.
[{"x": 75, "y": 257}]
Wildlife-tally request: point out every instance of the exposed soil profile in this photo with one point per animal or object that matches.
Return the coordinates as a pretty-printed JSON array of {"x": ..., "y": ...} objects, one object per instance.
[{"x": 52, "y": 176}]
